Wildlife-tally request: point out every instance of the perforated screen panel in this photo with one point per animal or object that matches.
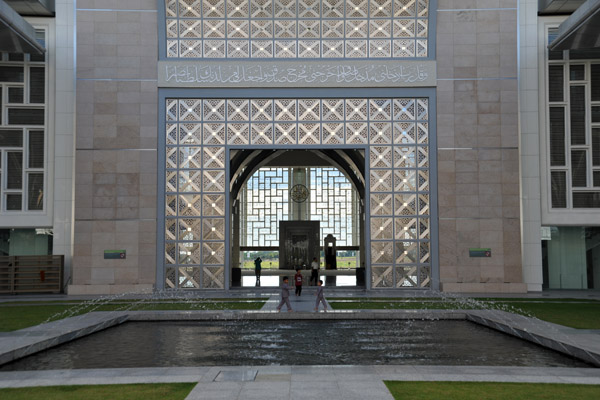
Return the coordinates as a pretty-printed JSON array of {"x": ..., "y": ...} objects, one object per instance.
[
  {"x": 394, "y": 132},
  {"x": 303, "y": 29}
]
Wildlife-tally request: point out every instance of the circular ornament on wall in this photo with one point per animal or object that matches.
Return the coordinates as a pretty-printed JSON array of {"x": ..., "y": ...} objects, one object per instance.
[{"x": 299, "y": 193}]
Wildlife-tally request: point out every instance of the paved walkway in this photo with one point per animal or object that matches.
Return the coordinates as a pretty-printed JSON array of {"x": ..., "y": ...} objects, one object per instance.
[
  {"x": 298, "y": 382},
  {"x": 303, "y": 303}
]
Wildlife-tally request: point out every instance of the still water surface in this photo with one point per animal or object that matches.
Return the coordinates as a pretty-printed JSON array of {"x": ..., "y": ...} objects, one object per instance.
[{"x": 194, "y": 343}]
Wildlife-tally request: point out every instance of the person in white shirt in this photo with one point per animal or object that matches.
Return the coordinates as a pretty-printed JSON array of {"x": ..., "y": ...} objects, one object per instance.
[{"x": 314, "y": 271}]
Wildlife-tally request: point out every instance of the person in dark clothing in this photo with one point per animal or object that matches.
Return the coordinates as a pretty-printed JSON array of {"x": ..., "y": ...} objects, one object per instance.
[
  {"x": 298, "y": 282},
  {"x": 257, "y": 269}
]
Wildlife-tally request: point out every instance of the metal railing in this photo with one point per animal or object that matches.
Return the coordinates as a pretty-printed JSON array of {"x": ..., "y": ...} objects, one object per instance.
[{"x": 31, "y": 274}]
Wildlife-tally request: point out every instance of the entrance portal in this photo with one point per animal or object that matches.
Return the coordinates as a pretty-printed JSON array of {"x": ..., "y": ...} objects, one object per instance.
[
  {"x": 339, "y": 141},
  {"x": 291, "y": 201}
]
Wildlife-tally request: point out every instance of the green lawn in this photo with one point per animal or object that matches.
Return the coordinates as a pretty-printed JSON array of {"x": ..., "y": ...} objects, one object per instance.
[
  {"x": 491, "y": 391},
  {"x": 166, "y": 391},
  {"x": 22, "y": 315},
  {"x": 575, "y": 313},
  {"x": 580, "y": 316}
]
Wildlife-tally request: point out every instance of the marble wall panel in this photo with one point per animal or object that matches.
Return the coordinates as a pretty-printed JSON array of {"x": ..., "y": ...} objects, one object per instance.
[
  {"x": 115, "y": 195},
  {"x": 478, "y": 144}
]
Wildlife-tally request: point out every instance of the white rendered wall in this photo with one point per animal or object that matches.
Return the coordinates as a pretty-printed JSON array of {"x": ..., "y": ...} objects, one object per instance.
[
  {"x": 529, "y": 146},
  {"x": 64, "y": 133}
]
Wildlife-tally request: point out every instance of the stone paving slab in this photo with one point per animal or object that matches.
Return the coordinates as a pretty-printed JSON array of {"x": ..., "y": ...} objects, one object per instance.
[
  {"x": 303, "y": 303},
  {"x": 303, "y": 382}
]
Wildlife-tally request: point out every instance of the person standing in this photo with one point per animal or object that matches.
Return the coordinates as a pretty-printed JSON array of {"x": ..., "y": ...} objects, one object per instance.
[
  {"x": 320, "y": 297},
  {"x": 314, "y": 273},
  {"x": 257, "y": 269},
  {"x": 298, "y": 282},
  {"x": 285, "y": 295}
]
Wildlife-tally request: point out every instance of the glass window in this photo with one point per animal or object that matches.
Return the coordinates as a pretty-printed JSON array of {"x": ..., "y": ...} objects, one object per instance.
[
  {"x": 577, "y": 72},
  {"x": 14, "y": 202},
  {"x": 11, "y": 138},
  {"x": 37, "y": 84},
  {"x": 25, "y": 116},
  {"x": 572, "y": 258},
  {"x": 36, "y": 149},
  {"x": 22, "y": 149},
  {"x": 556, "y": 83},
  {"x": 25, "y": 242},
  {"x": 11, "y": 74},
  {"x": 15, "y": 95},
  {"x": 14, "y": 170},
  {"x": 35, "y": 188}
]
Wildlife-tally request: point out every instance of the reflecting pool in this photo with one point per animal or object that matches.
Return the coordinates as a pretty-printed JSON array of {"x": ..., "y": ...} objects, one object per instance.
[{"x": 294, "y": 342}]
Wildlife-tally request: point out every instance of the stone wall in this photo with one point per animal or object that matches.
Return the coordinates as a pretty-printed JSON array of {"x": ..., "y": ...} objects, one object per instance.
[
  {"x": 477, "y": 129},
  {"x": 115, "y": 188},
  {"x": 478, "y": 139}
]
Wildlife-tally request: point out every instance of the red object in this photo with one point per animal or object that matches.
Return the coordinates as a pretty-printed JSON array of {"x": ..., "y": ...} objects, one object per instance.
[
  {"x": 43, "y": 275},
  {"x": 298, "y": 279}
]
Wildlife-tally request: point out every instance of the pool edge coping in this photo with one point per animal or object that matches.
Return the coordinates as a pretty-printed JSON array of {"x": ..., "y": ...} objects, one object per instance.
[{"x": 24, "y": 342}]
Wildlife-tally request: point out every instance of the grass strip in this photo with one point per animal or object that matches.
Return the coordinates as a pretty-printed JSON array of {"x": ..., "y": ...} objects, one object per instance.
[
  {"x": 491, "y": 391},
  {"x": 469, "y": 299},
  {"x": 154, "y": 391},
  {"x": 16, "y": 317},
  {"x": 579, "y": 315},
  {"x": 129, "y": 301}
]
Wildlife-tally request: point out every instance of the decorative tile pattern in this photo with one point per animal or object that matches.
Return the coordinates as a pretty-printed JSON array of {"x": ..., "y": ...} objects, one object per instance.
[
  {"x": 305, "y": 29},
  {"x": 394, "y": 130}
]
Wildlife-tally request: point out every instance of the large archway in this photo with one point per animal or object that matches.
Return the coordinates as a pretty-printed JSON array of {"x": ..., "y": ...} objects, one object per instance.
[{"x": 265, "y": 206}]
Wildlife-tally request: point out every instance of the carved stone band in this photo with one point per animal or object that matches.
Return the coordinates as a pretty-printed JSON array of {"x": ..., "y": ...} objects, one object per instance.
[{"x": 297, "y": 74}]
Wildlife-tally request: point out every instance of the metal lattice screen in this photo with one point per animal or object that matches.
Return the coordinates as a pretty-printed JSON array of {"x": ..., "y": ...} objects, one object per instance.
[
  {"x": 303, "y": 29},
  {"x": 23, "y": 131},
  {"x": 334, "y": 202},
  {"x": 265, "y": 201},
  {"x": 573, "y": 131},
  {"x": 394, "y": 130}
]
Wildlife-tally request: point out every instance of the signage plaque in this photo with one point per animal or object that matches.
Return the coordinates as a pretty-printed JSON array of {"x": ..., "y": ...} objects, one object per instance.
[
  {"x": 483, "y": 252},
  {"x": 115, "y": 254}
]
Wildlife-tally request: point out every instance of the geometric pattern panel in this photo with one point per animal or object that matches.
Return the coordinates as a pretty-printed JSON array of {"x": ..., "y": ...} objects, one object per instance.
[
  {"x": 395, "y": 132},
  {"x": 24, "y": 134},
  {"x": 399, "y": 193},
  {"x": 266, "y": 201},
  {"x": 334, "y": 202},
  {"x": 573, "y": 130},
  {"x": 303, "y": 29}
]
